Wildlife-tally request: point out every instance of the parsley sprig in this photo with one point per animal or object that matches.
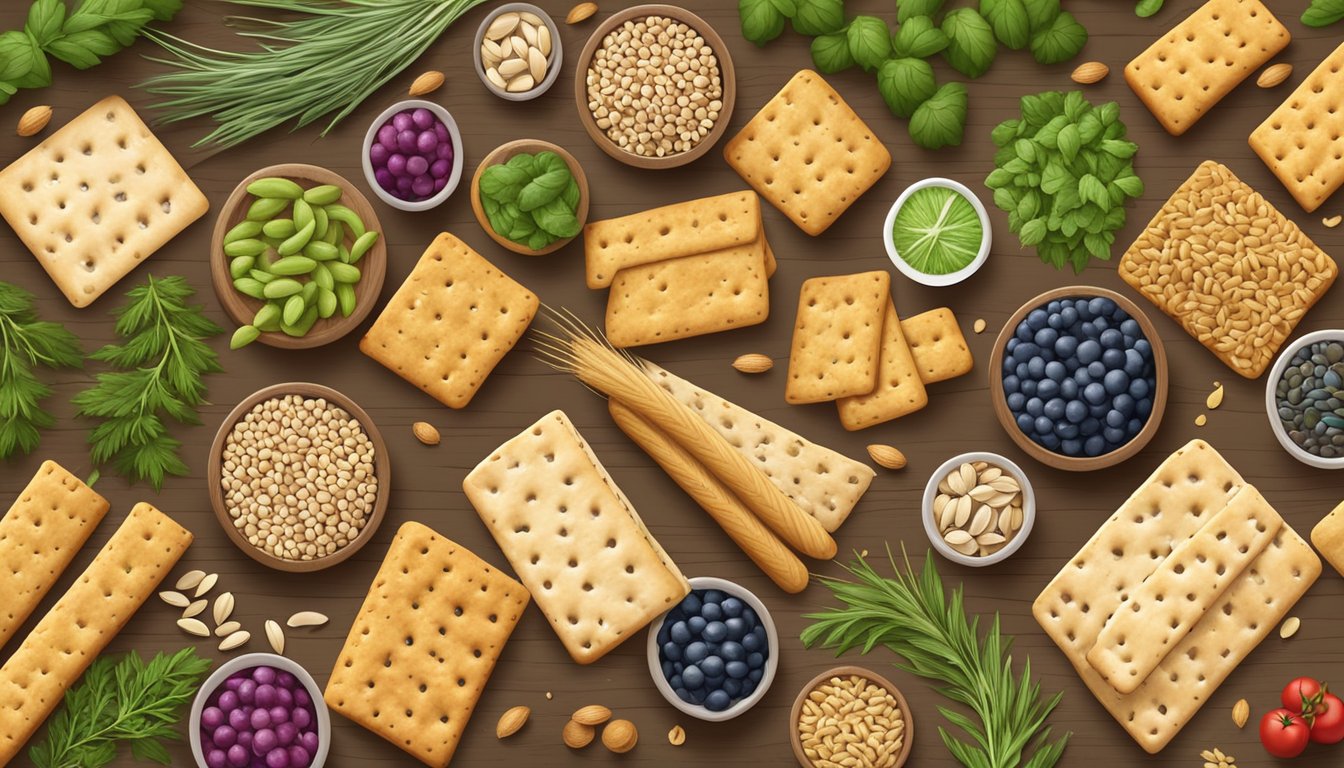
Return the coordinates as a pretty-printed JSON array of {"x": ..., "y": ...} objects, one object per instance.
[
  {"x": 27, "y": 343},
  {"x": 911, "y": 616},
  {"x": 162, "y": 362}
]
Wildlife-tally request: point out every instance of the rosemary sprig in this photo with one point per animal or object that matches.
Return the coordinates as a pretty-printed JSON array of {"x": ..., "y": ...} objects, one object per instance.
[
  {"x": 26, "y": 343},
  {"x": 911, "y": 616}
]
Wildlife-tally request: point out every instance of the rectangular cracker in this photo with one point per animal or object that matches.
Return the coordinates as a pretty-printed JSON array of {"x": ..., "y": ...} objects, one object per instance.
[
  {"x": 96, "y": 198},
  {"x": 899, "y": 390},
  {"x": 1169, "y": 508},
  {"x": 823, "y": 482},
  {"x": 1191, "y": 68},
  {"x": 808, "y": 153},
  {"x": 573, "y": 538},
  {"x": 837, "y": 337},
  {"x": 1161, "y": 611},
  {"x": 451, "y": 322},
  {"x": 671, "y": 231},
  {"x": 1205, "y": 255},
  {"x": 1302, "y": 141},
  {"x": 424, "y": 644},
  {"x": 39, "y": 536},
  {"x": 937, "y": 345},
  {"x": 1328, "y": 536},
  {"x": 689, "y": 296},
  {"x": 90, "y": 614}
]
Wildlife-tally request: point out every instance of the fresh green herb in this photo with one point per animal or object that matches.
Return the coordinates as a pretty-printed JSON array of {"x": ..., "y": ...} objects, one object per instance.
[
  {"x": 869, "y": 41},
  {"x": 818, "y": 17},
  {"x": 1012, "y": 25},
  {"x": 908, "y": 9},
  {"x": 329, "y": 57},
  {"x": 763, "y": 20},
  {"x": 940, "y": 121},
  {"x": 532, "y": 200},
  {"x": 1063, "y": 173},
  {"x": 912, "y": 616},
  {"x": 905, "y": 84},
  {"x": 830, "y": 53},
  {"x": 970, "y": 42},
  {"x": 918, "y": 38},
  {"x": 937, "y": 231},
  {"x": 1060, "y": 41},
  {"x": 1323, "y": 13},
  {"x": 161, "y": 365},
  {"x": 121, "y": 701},
  {"x": 25, "y": 343},
  {"x": 1147, "y": 8},
  {"x": 1041, "y": 13}
]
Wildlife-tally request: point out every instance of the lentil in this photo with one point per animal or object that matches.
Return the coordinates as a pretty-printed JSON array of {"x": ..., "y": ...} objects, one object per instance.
[{"x": 1310, "y": 396}]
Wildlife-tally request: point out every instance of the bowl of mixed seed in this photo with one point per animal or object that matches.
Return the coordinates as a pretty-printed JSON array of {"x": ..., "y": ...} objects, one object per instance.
[{"x": 1304, "y": 398}]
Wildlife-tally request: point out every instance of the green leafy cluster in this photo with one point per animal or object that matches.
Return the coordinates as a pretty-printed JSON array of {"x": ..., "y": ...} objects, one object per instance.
[
  {"x": 967, "y": 38},
  {"x": 25, "y": 343},
  {"x": 160, "y": 369},
  {"x": 79, "y": 37},
  {"x": 1063, "y": 173},
  {"x": 1147, "y": 8},
  {"x": 121, "y": 701},
  {"x": 532, "y": 200},
  {"x": 911, "y": 616},
  {"x": 1323, "y": 13}
]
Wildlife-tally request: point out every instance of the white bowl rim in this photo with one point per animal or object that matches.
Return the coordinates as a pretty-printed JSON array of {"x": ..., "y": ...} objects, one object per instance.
[
  {"x": 247, "y": 661},
  {"x": 1028, "y": 509},
  {"x": 454, "y": 178},
  {"x": 1272, "y": 404},
  {"x": 952, "y": 278},
  {"x": 554, "y": 63},
  {"x": 771, "y": 663}
]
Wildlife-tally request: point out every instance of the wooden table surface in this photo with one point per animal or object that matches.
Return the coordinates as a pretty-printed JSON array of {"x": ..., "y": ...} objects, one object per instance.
[{"x": 427, "y": 484}]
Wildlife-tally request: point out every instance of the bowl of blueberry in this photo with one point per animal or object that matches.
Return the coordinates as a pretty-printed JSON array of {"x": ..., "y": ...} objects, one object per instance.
[
  {"x": 260, "y": 710},
  {"x": 1079, "y": 378},
  {"x": 714, "y": 655}
]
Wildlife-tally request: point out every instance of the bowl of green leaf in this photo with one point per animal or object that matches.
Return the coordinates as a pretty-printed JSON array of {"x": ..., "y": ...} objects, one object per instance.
[
  {"x": 530, "y": 196},
  {"x": 937, "y": 232}
]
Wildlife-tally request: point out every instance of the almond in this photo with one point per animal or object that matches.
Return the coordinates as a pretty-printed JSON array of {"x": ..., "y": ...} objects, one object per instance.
[
  {"x": 887, "y": 456},
  {"x": 1274, "y": 75},
  {"x": 620, "y": 736},
  {"x": 753, "y": 363},
  {"x": 426, "y": 83},
  {"x": 1090, "y": 72},
  {"x": 1241, "y": 712},
  {"x": 34, "y": 120},
  {"x": 580, "y": 12},
  {"x": 425, "y": 433},
  {"x": 578, "y": 735},
  {"x": 593, "y": 714},
  {"x": 512, "y": 721}
]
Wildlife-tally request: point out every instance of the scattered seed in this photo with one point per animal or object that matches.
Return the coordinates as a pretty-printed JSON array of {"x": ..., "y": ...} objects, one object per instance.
[
  {"x": 677, "y": 736},
  {"x": 1290, "y": 627},
  {"x": 227, "y": 628},
  {"x": 548, "y": 695},
  {"x": 207, "y": 584},
  {"x": 195, "y": 609},
  {"x": 307, "y": 619},
  {"x": 223, "y": 607},
  {"x": 190, "y": 580},
  {"x": 175, "y": 599},
  {"x": 193, "y": 627},
  {"x": 511, "y": 721},
  {"x": 1201, "y": 420},
  {"x": 979, "y": 325},
  {"x": 580, "y": 12},
  {"x": 235, "y": 640},
  {"x": 275, "y": 636},
  {"x": 1215, "y": 397},
  {"x": 1332, "y": 221},
  {"x": 1241, "y": 712},
  {"x": 1274, "y": 75},
  {"x": 1216, "y": 758},
  {"x": 753, "y": 362}
]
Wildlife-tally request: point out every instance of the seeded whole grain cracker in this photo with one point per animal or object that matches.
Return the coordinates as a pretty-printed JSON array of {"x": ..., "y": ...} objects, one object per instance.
[
  {"x": 808, "y": 153},
  {"x": 937, "y": 345},
  {"x": 1191, "y": 68},
  {"x": 573, "y": 538},
  {"x": 96, "y": 198},
  {"x": 1225, "y": 264},
  {"x": 451, "y": 322},
  {"x": 424, "y": 644},
  {"x": 1328, "y": 536},
  {"x": 124, "y": 574},
  {"x": 899, "y": 390},
  {"x": 1302, "y": 141},
  {"x": 837, "y": 337}
]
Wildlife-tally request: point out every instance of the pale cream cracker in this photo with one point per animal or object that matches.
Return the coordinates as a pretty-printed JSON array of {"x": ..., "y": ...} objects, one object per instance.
[
  {"x": 90, "y": 614},
  {"x": 424, "y": 644},
  {"x": 1328, "y": 536},
  {"x": 451, "y": 322},
  {"x": 899, "y": 390},
  {"x": 573, "y": 538},
  {"x": 808, "y": 153},
  {"x": 837, "y": 337},
  {"x": 96, "y": 198},
  {"x": 937, "y": 345},
  {"x": 1191, "y": 68},
  {"x": 1302, "y": 141}
]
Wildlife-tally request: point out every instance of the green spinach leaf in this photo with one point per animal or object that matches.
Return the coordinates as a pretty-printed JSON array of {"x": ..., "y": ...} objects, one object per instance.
[
  {"x": 1323, "y": 13},
  {"x": 940, "y": 121},
  {"x": 869, "y": 41},
  {"x": 970, "y": 42},
  {"x": 819, "y": 17},
  {"x": 905, "y": 84},
  {"x": 918, "y": 37},
  {"x": 830, "y": 53},
  {"x": 1009, "y": 19},
  {"x": 1060, "y": 41}
]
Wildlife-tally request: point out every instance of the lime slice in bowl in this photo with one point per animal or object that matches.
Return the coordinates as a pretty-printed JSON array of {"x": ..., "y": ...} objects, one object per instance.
[{"x": 937, "y": 231}]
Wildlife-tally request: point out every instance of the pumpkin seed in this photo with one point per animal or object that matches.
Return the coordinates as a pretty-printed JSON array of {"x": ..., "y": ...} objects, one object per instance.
[
  {"x": 307, "y": 619},
  {"x": 223, "y": 607},
  {"x": 193, "y": 627},
  {"x": 227, "y": 628},
  {"x": 235, "y": 640},
  {"x": 175, "y": 599},
  {"x": 195, "y": 609},
  {"x": 276, "y": 636},
  {"x": 190, "y": 580},
  {"x": 207, "y": 584}
]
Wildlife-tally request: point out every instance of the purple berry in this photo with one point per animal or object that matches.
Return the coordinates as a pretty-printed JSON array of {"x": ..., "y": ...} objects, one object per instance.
[
  {"x": 441, "y": 131},
  {"x": 387, "y": 136},
  {"x": 397, "y": 164},
  {"x": 385, "y": 179},
  {"x": 264, "y": 675},
  {"x": 426, "y": 142},
  {"x": 301, "y": 697},
  {"x": 286, "y": 733},
  {"x": 402, "y": 121},
  {"x": 440, "y": 169},
  {"x": 417, "y": 166},
  {"x": 301, "y": 718},
  {"x": 279, "y": 715},
  {"x": 264, "y": 741},
  {"x": 423, "y": 187},
  {"x": 309, "y": 741},
  {"x": 212, "y": 717},
  {"x": 406, "y": 141},
  {"x": 284, "y": 697},
  {"x": 247, "y": 691},
  {"x": 440, "y": 183},
  {"x": 286, "y": 680},
  {"x": 299, "y": 757},
  {"x": 216, "y": 758},
  {"x": 260, "y": 719},
  {"x": 238, "y": 756},
  {"x": 277, "y": 758},
  {"x": 422, "y": 118},
  {"x": 444, "y": 151},
  {"x": 229, "y": 700},
  {"x": 404, "y": 184},
  {"x": 224, "y": 737}
]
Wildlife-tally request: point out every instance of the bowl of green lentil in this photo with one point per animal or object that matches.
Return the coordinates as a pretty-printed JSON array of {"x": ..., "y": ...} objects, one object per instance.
[{"x": 1304, "y": 398}]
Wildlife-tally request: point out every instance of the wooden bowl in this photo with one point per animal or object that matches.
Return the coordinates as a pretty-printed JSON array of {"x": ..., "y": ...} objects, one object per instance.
[
  {"x": 726, "y": 75},
  {"x": 373, "y": 267},
  {"x": 382, "y": 469},
  {"x": 502, "y": 154},
  {"x": 1040, "y": 453},
  {"x": 796, "y": 741}
]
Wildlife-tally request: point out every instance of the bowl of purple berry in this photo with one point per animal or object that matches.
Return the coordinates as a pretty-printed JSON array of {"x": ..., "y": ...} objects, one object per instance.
[
  {"x": 413, "y": 155},
  {"x": 260, "y": 710}
]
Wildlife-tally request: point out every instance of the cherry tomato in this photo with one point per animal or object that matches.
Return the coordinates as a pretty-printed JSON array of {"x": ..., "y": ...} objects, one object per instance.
[
  {"x": 1284, "y": 733},
  {"x": 1327, "y": 725},
  {"x": 1301, "y": 695}
]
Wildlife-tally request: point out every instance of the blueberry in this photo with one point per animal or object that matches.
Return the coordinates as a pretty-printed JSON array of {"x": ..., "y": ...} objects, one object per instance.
[
  {"x": 714, "y": 683},
  {"x": 1112, "y": 339},
  {"x": 1048, "y": 388},
  {"x": 1025, "y": 352},
  {"x": 1115, "y": 419},
  {"x": 1049, "y": 442},
  {"x": 665, "y": 631},
  {"x": 1113, "y": 358},
  {"x": 692, "y": 677},
  {"x": 1066, "y": 431},
  {"x": 683, "y": 694},
  {"x": 755, "y": 660},
  {"x": 1100, "y": 324},
  {"x": 691, "y": 604},
  {"x": 1020, "y": 370},
  {"x": 1056, "y": 371},
  {"x": 736, "y": 669},
  {"x": 1029, "y": 387},
  {"x": 712, "y": 666},
  {"x": 1144, "y": 347},
  {"x": 1068, "y": 389},
  {"x": 1035, "y": 407},
  {"x": 751, "y": 643},
  {"x": 714, "y": 596},
  {"x": 1010, "y": 384},
  {"x": 1134, "y": 427},
  {"x": 1134, "y": 363},
  {"x": 671, "y": 651},
  {"x": 732, "y": 651},
  {"x": 732, "y": 607},
  {"x": 1056, "y": 322},
  {"x": 1068, "y": 316},
  {"x": 1101, "y": 306},
  {"x": 718, "y": 701},
  {"x": 733, "y": 688},
  {"x": 715, "y": 632},
  {"x": 680, "y": 634},
  {"x": 1046, "y": 337},
  {"x": 1129, "y": 342},
  {"x": 1053, "y": 306},
  {"x": 698, "y": 696},
  {"x": 669, "y": 671},
  {"x": 1012, "y": 344},
  {"x": 749, "y": 685},
  {"x": 1094, "y": 393},
  {"x": 1066, "y": 346},
  {"x": 1023, "y": 332},
  {"x": 1081, "y": 377},
  {"x": 1016, "y": 402},
  {"x": 1090, "y": 426},
  {"x": 1071, "y": 447},
  {"x": 1075, "y": 411},
  {"x": 1036, "y": 367},
  {"x": 1096, "y": 370},
  {"x": 1116, "y": 382},
  {"x": 1037, "y": 319},
  {"x": 675, "y": 681},
  {"x": 749, "y": 616},
  {"x": 1094, "y": 446},
  {"x": 1124, "y": 404},
  {"x": 1144, "y": 407},
  {"x": 696, "y": 624},
  {"x": 695, "y": 652},
  {"x": 736, "y": 627},
  {"x": 1139, "y": 388},
  {"x": 1088, "y": 352},
  {"x": 1043, "y": 425},
  {"x": 712, "y": 612},
  {"x": 1099, "y": 411},
  {"x": 1129, "y": 326},
  {"x": 1054, "y": 408},
  {"x": 1114, "y": 436}
]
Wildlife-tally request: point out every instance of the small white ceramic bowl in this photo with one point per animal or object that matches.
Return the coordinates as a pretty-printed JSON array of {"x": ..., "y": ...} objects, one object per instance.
[
  {"x": 951, "y": 278},
  {"x": 771, "y": 663},
  {"x": 454, "y": 177},
  {"x": 248, "y": 661},
  {"x": 553, "y": 63},
  {"x": 1028, "y": 509},
  {"x": 1272, "y": 400}
]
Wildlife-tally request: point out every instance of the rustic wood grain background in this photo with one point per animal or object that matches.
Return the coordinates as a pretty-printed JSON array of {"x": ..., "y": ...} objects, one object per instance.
[{"x": 428, "y": 480}]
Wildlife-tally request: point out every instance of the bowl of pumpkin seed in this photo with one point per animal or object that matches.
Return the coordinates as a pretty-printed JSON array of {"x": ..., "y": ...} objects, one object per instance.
[{"x": 978, "y": 509}]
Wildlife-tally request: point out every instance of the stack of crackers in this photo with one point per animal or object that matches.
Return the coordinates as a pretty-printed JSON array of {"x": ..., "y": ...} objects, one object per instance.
[{"x": 1302, "y": 141}]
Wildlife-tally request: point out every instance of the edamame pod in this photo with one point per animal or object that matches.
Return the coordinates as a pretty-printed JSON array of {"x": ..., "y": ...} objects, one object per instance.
[
  {"x": 324, "y": 194},
  {"x": 266, "y": 208},
  {"x": 282, "y": 287},
  {"x": 335, "y": 232},
  {"x": 249, "y": 287},
  {"x": 304, "y": 325},
  {"x": 295, "y": 244},
  {"x": 303, "y": 213},
  {"x": 322, "y": 276},
  {"x": 294, "y": 308},
  {"x": 245, "y": 248},
  {"x": 243, "y": 336},
  {"x": 345, "y": 296},
  {"x": 347, "y": 217},
  {"x": 320, "y": 216},
  {"x": 326, "y": 303},
  {"x": 275, "y": 187},
  {"x": 240, "y": 266},
  {"x": 292, "y": 266},
  {"x": 342, "y": 272},
  {"x": 261, "y": 276},
  {"x": 320, "y": 251},
  {"x": 268, "y": 317},
  {"x": 279, "y": 228},
  {"x": 243, "y": 230},
  {"x": 362, "y": 245}
]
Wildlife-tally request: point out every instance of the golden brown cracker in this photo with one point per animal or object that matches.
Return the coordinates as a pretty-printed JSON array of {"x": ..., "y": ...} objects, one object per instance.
[
  {"x": 899, "y": 391},
  {"x": 1302, "y": 141},
  {"x": 837, "y": 337},
  {"x": 937, "y": 345}
]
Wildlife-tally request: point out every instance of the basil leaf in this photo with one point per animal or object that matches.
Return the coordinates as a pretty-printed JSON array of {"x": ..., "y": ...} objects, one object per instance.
[
  {"x": 540, "y": 239},
  {"x": 523, "y": 225},
  {"x": 547, "y": 161},
  {"x": 1322, "y": 13},
  {"x": 1092, "y": 190},
  {"x": 543, "y": 189},
  {"x": 869, "y": 41},
  {"x": 44, "y": 20},
  {"x": 1003, "y": 133},
  {"x": 571, "y": 195},
  {"x": 502, "y": 216},
  {"x": 1054, "y": 177},
  {"x": 1040, "y": 108},
  {"x": 163, "y": 10},
  {"x": 1069, "y": 142},
  {"x": 970, "y": 42},
  {"x": 1033, "y": 232},
  {"x": 557, "y": 218},
  {"x": 940, "y": 121},
  {"x": 525, "y": 163},
  {"x": 761, "y": 20},
  {"x": 918, "y": 37},
  {"x": 905, "y": 84},
  {"x": 503, "y": 182},
  {"x": 1041, "y": 13},
  {"x": 830, "y": 53},
  {"x": 1132, "y": 186},
  {"x": 908, "y": 9},
  {"x": 1147, "y": 8},
  {"x": 1060, "y": 41},
  {"x": 1009, "y": 19},
  {"x": 819, "y": 17}
]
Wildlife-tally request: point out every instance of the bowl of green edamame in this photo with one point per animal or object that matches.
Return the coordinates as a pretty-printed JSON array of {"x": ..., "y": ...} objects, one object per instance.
[{"x": 297, "y": 258}]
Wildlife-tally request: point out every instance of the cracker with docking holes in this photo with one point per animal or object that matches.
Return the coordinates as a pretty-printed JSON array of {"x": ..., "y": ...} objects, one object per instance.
[
  {"x": 1169, "y": 508},
  {"x": 937, "y": 345},
  {"x": 573, "y": 538},
  {"x": 1191, "y": 68},
  {"x": 1328, "y": 536},
  {"x": 39, "y": 536},
  {"x": 451, "y": 322},
  {"x": 899, "y": 391},
  {"x": 837, "y": 337},
  {"x": 808, "y": 153},
  {"x": 96, "y": 198},
  {"x": 1302, "y": 141},
  {"x": 123, "y": 575},
  {"x": 425, "y": 643}
]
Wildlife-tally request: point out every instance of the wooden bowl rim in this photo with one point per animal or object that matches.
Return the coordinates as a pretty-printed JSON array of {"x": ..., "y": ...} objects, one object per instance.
[
  {"x": 727, "y": 75},
  {"x": 1056, "y": 460},
  {"x": 382, "y": 469},
  {"x": 373, "y": 267},
  {"x": 516, "y": 147},
  {"x": 850, "y": 669}
]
